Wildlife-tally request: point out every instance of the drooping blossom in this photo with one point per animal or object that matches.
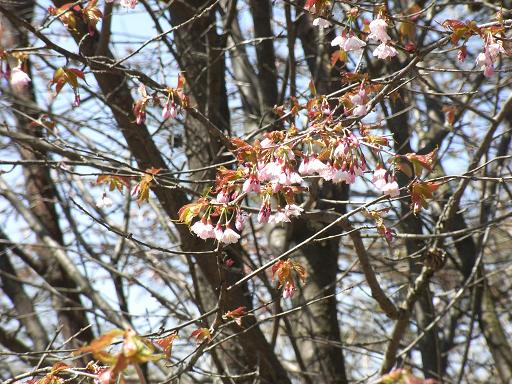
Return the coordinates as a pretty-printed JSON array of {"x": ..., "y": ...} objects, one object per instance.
[
  {"x": 386, "y": 183},
  {"x": 169, "y": 110},
  {"x": 321, "y": 23},
  {"x": 203, "y": 229},
  {"x": 285, "y": 215},
  {"x": 486, "y": 59},
  {"x": 288, "y": 290},
  {"x": 289, "y": 177},
  {"x": 241, "y": 218},
  {"x": 223, "y": 197},
  {"x": 359, "y": 101},
  {"x": 378, "y": 30},
  {"x": 384, "y": 51},
  {"x": 19, "y": 79},
  {"x": 252, "y": 184},
  {"x": 218, "y": 232},
  {"x": 270, "y": 171},
  {"x": 352, "y": 43},
  {"x": 229, "y": 236},
  {"x": 311, "y": 165},
  {"x": 264, "y": 213},
  {"x": 104, "y": 201}
]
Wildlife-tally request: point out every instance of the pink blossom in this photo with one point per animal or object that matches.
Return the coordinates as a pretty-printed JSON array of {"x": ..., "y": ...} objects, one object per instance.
[
  {"x": 229, "y": 236},
  {"x": 252, "y": 184},
  {"x": 264, "y": 213},
  {"x": 354, "y": 43},
  {"x": 266, "y": 143},
  {"x": 311, "y": 165},
  {"x": 241, "y": 218},
  {"x": 378, "y": 31},
  {"x": 105, "y": 377},
  {"x": 359, "y": 103},
  {"x": 289, "y": 177},
  {"x": 384, "y": 51},
  {"x": 386, "y": 183},
  {"x": 223, "y": 197},
  {"x": 288, "y": 290},
  {"x": 339, "y": 41},
  {"x": 270, "y": 171},
  {"x": 129, "y": 3},
  {"x": 487, "y": 58},
  {"x": 293, "y": 210},
  {"x": 203, "y": 229},
  {"x": 392, "y": 189},
  {"x": 218, "y": 232},
  {"x": 169, "y": 110},
  {"x": 19, "y": 79},
  {"x": 321, "y": 23}
]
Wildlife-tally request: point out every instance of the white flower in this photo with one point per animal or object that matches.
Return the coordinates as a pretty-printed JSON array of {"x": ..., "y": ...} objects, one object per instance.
[
  {"x": 241, "y": 218},
  {"x": 218, "y": 232},
  {"x": 104, "y": 202},
  {"x": 339, "y": 41},
  {"x": 378, "y": 31},
  {"x": 19, "y": 79},
  {"x": 353, "y": 43},
  {"x": 383, "y": 51},
  {"x": 288, "y": 290},
  {"x": 289, "y": 178},
  {"x": 169, "y": 110},
  {"x": 229, "y": 236},
  {"x": 203, "y": 229},
  {"x": 321, "y": 23}
]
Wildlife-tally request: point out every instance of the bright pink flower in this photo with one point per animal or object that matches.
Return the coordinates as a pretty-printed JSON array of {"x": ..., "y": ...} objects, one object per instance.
[
  {"x": 169, "y": 110},
  {"x": 384, "y": 51},
  {"x": 264, "y": 212},
  {"x": 19, "y": 79},
  {"x": 229, "y": 236},
  {"x": 203, "y": 229},
  {"x": 378, "y": 31}
]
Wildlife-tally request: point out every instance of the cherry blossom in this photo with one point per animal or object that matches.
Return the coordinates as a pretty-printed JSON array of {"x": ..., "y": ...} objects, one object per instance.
[
  {"x": 19, "y": 79},
  {"x": 241, "y": 218},
  {"x": 352, "y": 43},
  {"x": 229, "y": 236},
  {"x": 311, "y": 165},
  {"x": 104, "y": 201},
  {"x": 386, "y": 183},
  {"x": 378, "y": 31},
  {"x": 485, "y": 60},
  {"x": 264, "y": 213},
  {"x": 384, "y": 51},
  {"x": 169, "y": 110},
  {"x": 129, "y": 3},
  {"x": 359, "y": 103},
  {"x": 288, "y": 290},
  {"x": 252, "y": 184},
  {"x": 203, "y": 229},
  {"x": 321, "y": 23}
]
